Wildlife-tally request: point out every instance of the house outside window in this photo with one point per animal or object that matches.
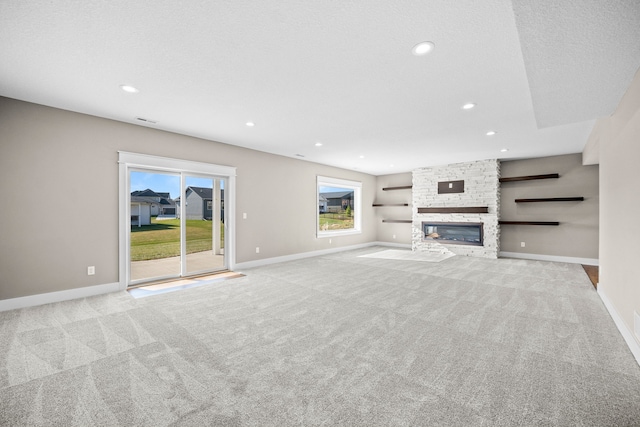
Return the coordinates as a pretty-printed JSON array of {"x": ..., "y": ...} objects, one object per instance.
[{"x": 339, "y": 207}]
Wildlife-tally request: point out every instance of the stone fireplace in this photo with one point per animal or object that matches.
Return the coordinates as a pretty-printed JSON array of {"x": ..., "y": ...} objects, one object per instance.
[{"x": 455, "y": 209}]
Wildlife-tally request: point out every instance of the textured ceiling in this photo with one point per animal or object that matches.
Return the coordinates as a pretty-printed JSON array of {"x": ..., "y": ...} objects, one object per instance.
[
  {"x": 580, "y": 56},
  {"x": 336, "y": 72}
]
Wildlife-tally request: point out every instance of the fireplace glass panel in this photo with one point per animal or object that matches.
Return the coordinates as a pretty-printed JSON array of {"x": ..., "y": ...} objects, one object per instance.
[{"x": 458, "y": 233}]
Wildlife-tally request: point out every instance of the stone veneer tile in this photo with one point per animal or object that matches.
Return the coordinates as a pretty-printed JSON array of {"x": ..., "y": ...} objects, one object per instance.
[{"x": 481, "y": 188}]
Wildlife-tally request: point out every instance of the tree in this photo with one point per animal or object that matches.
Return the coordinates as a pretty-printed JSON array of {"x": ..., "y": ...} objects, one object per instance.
[{"x": 348, "y": 210}]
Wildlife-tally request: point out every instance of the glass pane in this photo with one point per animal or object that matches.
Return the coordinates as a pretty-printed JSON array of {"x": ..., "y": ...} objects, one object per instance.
[
  {"x": 204, "y": 224},
  {"x": 336, "y": 208},
  {"x": 155, "y": 230}
]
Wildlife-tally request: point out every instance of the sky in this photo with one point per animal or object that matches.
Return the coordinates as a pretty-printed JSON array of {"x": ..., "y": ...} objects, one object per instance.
[
  {"x": 332, "y": 189},
  {"x": 165, "y": 183},
  {"x": 169, "y": 183}
]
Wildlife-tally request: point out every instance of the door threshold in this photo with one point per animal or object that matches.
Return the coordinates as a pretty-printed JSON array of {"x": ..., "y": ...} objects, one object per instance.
[{"x": 171, "y": 285}]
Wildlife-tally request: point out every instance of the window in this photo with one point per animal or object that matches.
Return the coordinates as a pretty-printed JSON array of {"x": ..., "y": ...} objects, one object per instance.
[{"x": 338, "y": 209}]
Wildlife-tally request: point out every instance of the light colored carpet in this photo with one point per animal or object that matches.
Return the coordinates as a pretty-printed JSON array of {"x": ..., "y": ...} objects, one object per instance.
[
  {"x": 337, "y": 340},
  {"x": 408, "y": 255}
]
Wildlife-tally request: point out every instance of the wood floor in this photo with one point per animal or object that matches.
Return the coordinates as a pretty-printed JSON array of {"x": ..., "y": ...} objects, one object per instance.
[{"x": 592, "y": 272}]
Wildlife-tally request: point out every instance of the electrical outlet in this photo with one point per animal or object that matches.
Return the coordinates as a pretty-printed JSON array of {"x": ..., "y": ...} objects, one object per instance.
[
  {"x": 522, "y": 244},
  {"x": 91, "y": 270},
  {"x": 394, "y": 236},
  {"x": 244, "y": 215},
  {"x": 257, "y": 249},
  {"x": 329, "y": 241}
]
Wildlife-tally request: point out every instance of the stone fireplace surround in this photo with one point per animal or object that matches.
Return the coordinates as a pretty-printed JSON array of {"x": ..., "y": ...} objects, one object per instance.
[{"x": 481, "y": 188}]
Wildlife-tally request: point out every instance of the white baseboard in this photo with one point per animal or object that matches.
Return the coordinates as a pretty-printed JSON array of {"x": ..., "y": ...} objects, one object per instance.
[
  {"x": 554, "y": 258},
  {"x": 626, "y": 333},
  {"x": 293, "y": 257},
  {"x": 40, "y": 299}
]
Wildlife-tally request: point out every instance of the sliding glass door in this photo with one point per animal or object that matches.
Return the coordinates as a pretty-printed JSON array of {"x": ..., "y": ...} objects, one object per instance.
[
  {"x": 176, "y": 225},
  {"x": 155, "y": 229}
]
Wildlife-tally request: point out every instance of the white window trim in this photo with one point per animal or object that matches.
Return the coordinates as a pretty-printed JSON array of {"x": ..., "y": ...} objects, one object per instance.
[
  {"x": 129, "y": 161},
  {"x": 357, "y": 201}
]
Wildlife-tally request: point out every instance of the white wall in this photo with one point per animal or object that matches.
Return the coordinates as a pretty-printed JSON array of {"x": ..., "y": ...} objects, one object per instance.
[
  {"x": 619, "y": 142},
  {"x": 143, "y": 212}
]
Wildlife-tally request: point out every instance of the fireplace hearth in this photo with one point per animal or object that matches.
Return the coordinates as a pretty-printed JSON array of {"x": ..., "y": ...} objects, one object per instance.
[{"x": 455, "y": 233}]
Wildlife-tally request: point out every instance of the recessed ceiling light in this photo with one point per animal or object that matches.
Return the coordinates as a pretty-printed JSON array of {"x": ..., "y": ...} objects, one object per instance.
[
  {"x": 362, "y": 157},
  {"x": 504, "y": 150},
  {"x": 423, "y": 48},
  {"x": 318, "y": 144},
  {"x": 468, "y": 106},
  {"x": 491, "y": 133},
  {"x": 391, "y": 165},
  {"x": 128, "y": 88},
  {"x": 250, "y": 124}
]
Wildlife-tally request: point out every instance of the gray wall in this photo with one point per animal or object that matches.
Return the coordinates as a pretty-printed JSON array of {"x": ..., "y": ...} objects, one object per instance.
[
  {"x": 72, "y": 157},
  {"x": 577, "y": 234},
  {"x": 70, "y": 160},
  {"x": 386, "y": 231}
]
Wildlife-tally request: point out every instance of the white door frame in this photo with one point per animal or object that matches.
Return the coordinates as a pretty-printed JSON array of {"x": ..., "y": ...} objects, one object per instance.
[{"x": 127, "y": 161}]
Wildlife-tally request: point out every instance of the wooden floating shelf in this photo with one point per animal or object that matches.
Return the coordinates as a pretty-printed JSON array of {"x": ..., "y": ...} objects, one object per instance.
[
  {"x": 530, "y": 177},
  {"x": 552, "y": 199},
  {"x": 404, "y": 221},
  {"x": 404, "y": 187},
  {"x": 459, "y": 209},
  {"x": 528, "y": 223},
  {"x": 375, "y": 205}
]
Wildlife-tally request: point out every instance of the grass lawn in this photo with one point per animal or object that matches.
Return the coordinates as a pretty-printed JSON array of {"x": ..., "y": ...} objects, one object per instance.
[
  {"x": 161, "y": 239},
  {"x": 331, "y": 221}
]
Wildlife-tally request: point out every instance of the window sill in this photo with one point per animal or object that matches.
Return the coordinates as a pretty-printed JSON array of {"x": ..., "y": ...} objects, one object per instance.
[{"x": 322, "y": 234}]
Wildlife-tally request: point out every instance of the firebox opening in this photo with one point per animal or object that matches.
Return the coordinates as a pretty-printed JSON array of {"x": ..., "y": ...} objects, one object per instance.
[{"x": 456, "y": 233}]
